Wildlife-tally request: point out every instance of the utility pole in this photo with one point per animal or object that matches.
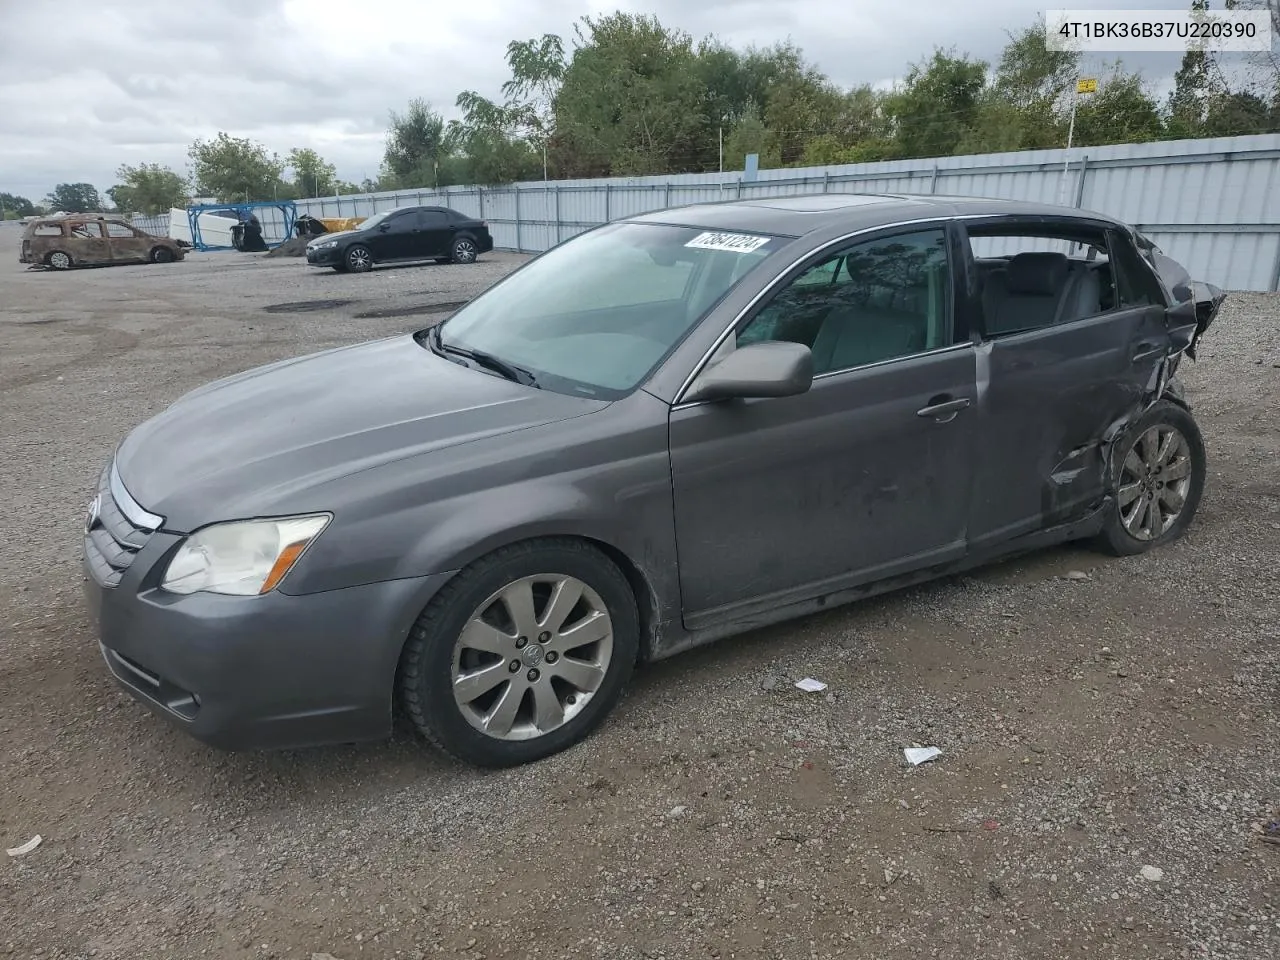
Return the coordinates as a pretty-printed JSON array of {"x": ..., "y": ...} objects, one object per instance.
[{"x": 1083, "y": 85}]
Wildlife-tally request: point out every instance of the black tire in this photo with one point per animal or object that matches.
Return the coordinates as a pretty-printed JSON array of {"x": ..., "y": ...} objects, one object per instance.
[
  {"x": 425, "y": 677},
  {"x": 162, "y": 255},
  {"x": 464, "y": 250},
  {"x": 1116, "y": 537},
  {"x": 59, "y": 260},
  {"x": 358, "y": 259}
]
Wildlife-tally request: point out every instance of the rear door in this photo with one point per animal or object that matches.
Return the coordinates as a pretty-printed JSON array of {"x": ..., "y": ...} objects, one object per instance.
[
  {"x": 1050, "y": 391},
  {"x": 437, "y": 233},
  {"x": 125, "y": 243}
]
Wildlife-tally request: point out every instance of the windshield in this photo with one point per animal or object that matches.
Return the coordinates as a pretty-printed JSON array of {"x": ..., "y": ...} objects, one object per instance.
[
  {"x": 597, "y": 314},
  {"x": 373, "y": 221}
]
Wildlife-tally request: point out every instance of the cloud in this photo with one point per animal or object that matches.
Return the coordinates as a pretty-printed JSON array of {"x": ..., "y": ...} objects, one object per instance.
[{"x": 91, "y": 84}]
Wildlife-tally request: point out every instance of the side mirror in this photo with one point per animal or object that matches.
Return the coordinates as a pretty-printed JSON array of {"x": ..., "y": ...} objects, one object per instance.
[
  {"x": 770, "y": 369},
  {"x": 384, "y": 227}
]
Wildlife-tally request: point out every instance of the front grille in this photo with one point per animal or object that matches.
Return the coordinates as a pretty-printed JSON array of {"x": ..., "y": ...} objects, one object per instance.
[{"x": 111, "y": 539}]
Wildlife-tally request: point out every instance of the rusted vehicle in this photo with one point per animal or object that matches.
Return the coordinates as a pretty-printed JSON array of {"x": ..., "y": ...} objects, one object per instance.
[{"x": 82, "y": 240}]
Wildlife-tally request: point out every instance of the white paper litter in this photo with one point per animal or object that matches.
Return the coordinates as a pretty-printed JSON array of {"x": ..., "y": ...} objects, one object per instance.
[
  {"x": 810, "y": 685},
  {"x": 918, "y": 755},
  {"x": 25, "y": 848}
]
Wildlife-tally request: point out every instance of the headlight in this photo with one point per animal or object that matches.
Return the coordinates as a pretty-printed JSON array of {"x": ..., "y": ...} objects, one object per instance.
[
  {"x": 322, "y": 246},
  {"x": 243, "y": 558}
]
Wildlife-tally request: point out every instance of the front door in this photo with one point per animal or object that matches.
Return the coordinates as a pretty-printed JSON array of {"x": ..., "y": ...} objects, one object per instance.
[
  {"x": 393, "y": 238},
  {"x": 87, "y": 242},
  {"x": 864, "y": 476},
  {"x": 126, "y": 243},
  {"x": 1070, "y": 345}
]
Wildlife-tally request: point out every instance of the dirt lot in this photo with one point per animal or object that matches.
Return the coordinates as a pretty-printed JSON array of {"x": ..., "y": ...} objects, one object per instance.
[{"x": 1097, "y": 717}]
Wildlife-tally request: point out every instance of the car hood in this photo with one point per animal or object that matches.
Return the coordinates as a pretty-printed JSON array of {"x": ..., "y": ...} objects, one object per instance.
[
  {"x": 326, "y": 237},
  {"x": 261, "y": 442}
]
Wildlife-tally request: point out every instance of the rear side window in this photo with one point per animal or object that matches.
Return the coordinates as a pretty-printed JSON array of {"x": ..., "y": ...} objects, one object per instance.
[
  {"x": 1036, "y": 275},
  {"x": 430, "y": 219},
  {"x": 87, "y": 231}
]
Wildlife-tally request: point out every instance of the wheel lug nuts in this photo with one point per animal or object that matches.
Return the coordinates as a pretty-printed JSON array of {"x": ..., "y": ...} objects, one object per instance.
[
  {"x": 521, "y": 641},
  {"x": 544, "y": 637},
  {"x": 514, "y": 666},
  {"x": 533, "y": 675},
  {"x": 552, "y": 656}
]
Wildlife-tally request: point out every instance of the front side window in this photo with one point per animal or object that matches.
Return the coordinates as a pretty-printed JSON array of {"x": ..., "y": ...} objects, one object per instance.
[
  {"x": 873, "y": 301},
  {"x": 87, "y": 231},
  {"x": 47, "y": 230},
  {"x": 597, "y": 314},
  {"x": 119, "y": 230}
]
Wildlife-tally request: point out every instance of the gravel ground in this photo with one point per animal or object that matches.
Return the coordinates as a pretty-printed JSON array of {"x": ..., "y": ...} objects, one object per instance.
[{"x": 1097, "y": 717}]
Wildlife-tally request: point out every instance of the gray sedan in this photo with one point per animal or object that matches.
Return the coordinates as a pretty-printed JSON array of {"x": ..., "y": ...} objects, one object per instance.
[{"x": 664, "y": 431}]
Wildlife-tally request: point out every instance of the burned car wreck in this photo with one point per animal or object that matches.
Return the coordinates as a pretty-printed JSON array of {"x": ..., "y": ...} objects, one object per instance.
[{"x": 664, "y": 431}]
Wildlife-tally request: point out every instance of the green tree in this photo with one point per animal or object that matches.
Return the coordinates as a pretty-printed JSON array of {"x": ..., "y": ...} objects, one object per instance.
[
  {"x": 313, "y": 176},
  {"x": 235, "y": 168},
  {"x": 1120, "y": 112},
  {"x": 937, "y": 105},
  {"x": 14, "y": 207},
  {"x": 149, "y": 189},
  {"x": 417, "y": 144},
  {"x": 750, "y": 135},
  {"x": 491, "y": 142},
  {"x": 74, "y": 198},
  {"x": 631, "y": 101}
]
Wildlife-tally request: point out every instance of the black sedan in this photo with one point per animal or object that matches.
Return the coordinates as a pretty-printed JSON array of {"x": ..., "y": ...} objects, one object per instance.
[{"x": 403, "y": 235}]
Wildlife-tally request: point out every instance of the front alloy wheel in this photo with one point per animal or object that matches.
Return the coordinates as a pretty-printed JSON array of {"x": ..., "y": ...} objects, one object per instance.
[
  {"x": 522, "y": 653},
  {"x": 359, "y": 259},
  {"x": 60, "y": 260},
  {"x": 531, "y": 657}
]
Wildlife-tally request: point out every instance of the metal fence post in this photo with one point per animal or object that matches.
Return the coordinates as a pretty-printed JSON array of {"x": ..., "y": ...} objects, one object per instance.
[
  {"x": 480, "y": 194},
  {"x": 557, "y": 211},
  {"x": 519, "y": 247},
  {"x": 608, "y": 192},
  {"x": 933, "y": 181},
  {"x": 826, "y": 180},
  {"x": 1084, "y": 168},
  {"x": 666, "y": 195}
]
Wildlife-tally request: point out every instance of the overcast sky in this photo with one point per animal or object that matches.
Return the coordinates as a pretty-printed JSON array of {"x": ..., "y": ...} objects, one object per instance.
[{"x": 90, "y": 84}]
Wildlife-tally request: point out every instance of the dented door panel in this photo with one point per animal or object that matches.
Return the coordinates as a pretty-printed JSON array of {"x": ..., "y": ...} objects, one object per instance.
[{"x": 1047, "y": 401}]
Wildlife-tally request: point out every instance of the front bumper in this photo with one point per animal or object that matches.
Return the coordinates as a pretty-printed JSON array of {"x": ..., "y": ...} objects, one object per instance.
[
  {"x": 272, "y": 671},
  {"x": 325, "y": 257}
]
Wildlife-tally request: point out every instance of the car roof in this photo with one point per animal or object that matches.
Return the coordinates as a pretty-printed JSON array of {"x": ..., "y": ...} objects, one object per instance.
[{"x": 796, "y": 216}]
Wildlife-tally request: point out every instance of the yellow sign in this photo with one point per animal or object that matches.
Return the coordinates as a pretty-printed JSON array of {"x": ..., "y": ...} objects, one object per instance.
[{"x": 1088, "y": 85}]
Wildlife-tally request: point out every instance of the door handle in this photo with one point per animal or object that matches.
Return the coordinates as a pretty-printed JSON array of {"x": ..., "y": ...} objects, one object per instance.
[
  {"x": 943, "y": 409},
  {"x": 1147, "y": 350}
]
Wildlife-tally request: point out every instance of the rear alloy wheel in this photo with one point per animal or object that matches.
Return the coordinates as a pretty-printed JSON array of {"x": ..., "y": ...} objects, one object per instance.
[
  {"x": 1159, "y": 480},
  {"x": 359, "y": 260},
  {"x": 522, "y": 654},
  {"x": 464, "y": 250},
  {"x": 162, "y": 255},
  {"x": 59, "y": 260}
]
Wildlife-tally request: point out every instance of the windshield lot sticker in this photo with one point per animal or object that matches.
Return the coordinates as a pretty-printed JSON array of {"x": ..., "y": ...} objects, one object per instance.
[{"x": 736, "y": 242}]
